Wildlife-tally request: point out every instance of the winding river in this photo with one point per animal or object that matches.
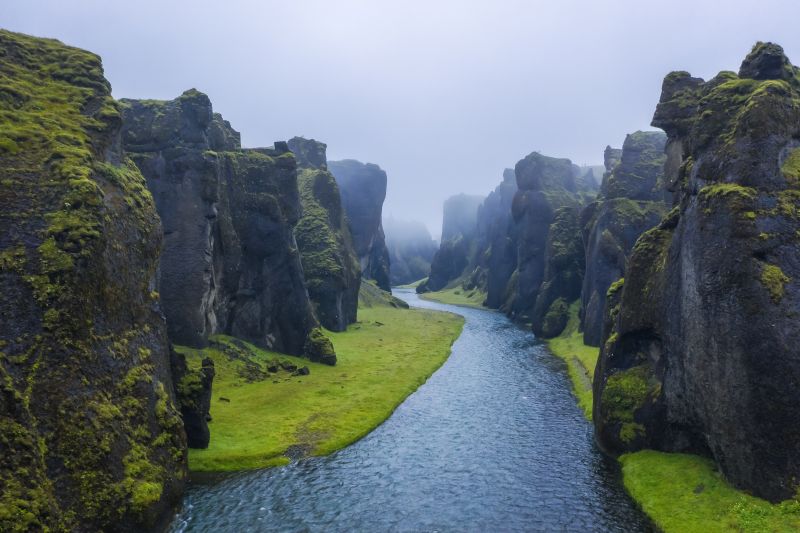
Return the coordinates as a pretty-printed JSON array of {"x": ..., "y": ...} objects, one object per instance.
[{"x": 493, "y": 441}]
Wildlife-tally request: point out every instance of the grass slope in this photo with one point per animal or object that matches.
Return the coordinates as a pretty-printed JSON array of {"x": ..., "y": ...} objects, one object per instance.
[
  {"x": 681, "y": 493},
  {"x": 580, "y": 358},
  {"x": 686, "y": 494},
  {"x": 457, "y": 296},
  {"x": 379, "y": 363}
]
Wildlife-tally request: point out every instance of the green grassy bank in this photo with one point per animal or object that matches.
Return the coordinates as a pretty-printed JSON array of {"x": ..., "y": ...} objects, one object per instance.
[
  {"x": 580, "y": 358},
  {"x": 681, "y": 493},
  {"x": 267, "y": 417},
  {"x": 457, "y": 296}
]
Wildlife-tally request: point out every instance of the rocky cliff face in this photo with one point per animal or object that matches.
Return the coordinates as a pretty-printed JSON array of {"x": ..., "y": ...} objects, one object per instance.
[
  {"x": 632, "y": 200},
  {"x": 458, "y": 245},
  {"x": 545, "y": 184},
  {"x": 230, "y": 262},
  {"x": 363, "y": 188},
  {"x": 411, "y": 250},
  {"x": 498, "y": 233},
  {"x": 701, "y": 348},
  {"x": 331, "y": 268},
  {"x": 91, "y": 437}
]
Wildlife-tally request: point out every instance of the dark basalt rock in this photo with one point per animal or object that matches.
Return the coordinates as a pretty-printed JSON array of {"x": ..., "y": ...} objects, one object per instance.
[
  {"x": 700, "y": 353},
  {"x": 498, "y": 233},
  {"x": 329, "y": 259},
  {"x": 90, "y": 436},
  {"x": 230, "y": 262},
  {"x": 363, "y": 188},
  {"x": 545, "y": 185},
  {"x": 193, "y": 391},
  {"x": 633, "y": 199},
  {"x": 563, "y": 274}
]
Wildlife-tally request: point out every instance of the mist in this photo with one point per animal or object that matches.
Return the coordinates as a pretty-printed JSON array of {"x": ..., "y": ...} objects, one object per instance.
[{"x": 443, "y": 96}]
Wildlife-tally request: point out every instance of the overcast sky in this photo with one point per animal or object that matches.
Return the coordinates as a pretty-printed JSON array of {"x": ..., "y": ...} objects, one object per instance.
[{"x": 442, "y": 94}]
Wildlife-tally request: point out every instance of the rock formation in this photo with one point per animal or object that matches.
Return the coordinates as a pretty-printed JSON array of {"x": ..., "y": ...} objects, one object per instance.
[
  {"x": 456, "y": 251},
  {"x": 326, "y": 247},
  {"x": 363, "y": 188},
  {"x": 411, "y": 250},
  {"x": 632, "y": 200},
  {"x": 545, "y": 184},
  {"x": 230, "y": 262},
  {"x": 91, "y": 437},
  {"x": 701, "y": 349}
]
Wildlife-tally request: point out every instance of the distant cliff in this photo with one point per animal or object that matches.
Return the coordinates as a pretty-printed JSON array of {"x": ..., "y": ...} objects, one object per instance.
[
  {"x": 632, "y": 199},
  {"x": 90, "y": 432},
  {"x": 230, "y": 262},
  {"x": 330, "y": 264},
  {"x": 700, "y": 348},
  {"x": 363, "y": 189},
  {"x": 456, "y": 251},
  {"x": 411, "y": 250}
]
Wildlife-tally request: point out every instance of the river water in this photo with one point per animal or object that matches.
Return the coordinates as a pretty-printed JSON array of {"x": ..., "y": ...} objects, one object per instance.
[{"x": 493, "y": 441}]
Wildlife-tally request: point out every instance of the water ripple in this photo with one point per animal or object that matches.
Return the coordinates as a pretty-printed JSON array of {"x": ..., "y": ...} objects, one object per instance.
[{"x": 492, "y": 442}]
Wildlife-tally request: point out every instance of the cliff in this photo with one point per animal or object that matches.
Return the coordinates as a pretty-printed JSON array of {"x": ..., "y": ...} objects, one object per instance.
[
  {"x": 363, "y": 189},
  {"x": 632, "y": 199},
  {"x": 91, "y": 437},
  {"x": 331, "y": 268},
  {"x": 700, "y": 352},
  {"x": 411, "y": 250},
  {"x": 458, "y": 244},
  {"x": 230, "y": 262},
  {"x": 545, "y": 184}
]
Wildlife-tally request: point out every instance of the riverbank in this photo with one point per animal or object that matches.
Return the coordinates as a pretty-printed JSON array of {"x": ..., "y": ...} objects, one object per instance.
[
  {"x": 681, "y": 493},
  {"x": 580, "y": 359},
  {"x": 261, "y": 420},
  {"x": 457, "y": 296}
]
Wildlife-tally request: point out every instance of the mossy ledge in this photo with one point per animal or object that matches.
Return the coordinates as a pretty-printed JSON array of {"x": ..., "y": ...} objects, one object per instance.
[{"x": 91, "y": 437}]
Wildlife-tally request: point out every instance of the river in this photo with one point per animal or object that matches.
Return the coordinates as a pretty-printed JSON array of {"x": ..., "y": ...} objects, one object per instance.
[{"x": 493, "y": 441}]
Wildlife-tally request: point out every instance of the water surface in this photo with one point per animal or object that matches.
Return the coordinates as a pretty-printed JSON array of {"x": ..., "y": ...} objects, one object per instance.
[{"x": 493, "y": 441}]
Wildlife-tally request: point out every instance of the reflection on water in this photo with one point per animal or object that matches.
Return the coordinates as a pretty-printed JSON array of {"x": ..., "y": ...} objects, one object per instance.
[{"x": 492, "y": 442}]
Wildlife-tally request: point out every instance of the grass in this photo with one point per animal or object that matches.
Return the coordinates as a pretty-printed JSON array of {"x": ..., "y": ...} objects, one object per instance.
[
  {"x": 681, "y": 493},
  {"x": 379, "y": 364},
  {"x": 413, "y": 285},
  {"x": 686, "y": 494},
  {"x": 580, "y": 358},
  {"x": 457, "y": 296}
]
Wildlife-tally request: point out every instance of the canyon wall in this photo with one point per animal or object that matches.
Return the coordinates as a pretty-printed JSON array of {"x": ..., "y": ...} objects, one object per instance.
[
  {"x": 700, "y": 349},
  {"x": 91, "y": 435},
  {"x": 632, "y": 199},
  {"x": 330, "y": 264},
  {"x": 363, "y": 190}
]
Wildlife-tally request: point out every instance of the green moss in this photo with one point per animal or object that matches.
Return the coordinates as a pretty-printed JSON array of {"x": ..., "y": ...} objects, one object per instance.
[
  {"x": 791, "y": 168},
  {"x": 615, "y": 287},
  {"x": 739, "y": 198},
  {"x": 379, "y": 364},
  {"x": 686, "y": 494},
  {"x": 625, "y": 392},
  {"x": 774, "y": 280}
]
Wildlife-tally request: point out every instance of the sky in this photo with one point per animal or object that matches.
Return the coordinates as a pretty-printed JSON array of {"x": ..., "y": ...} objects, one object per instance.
[{"x": 443, "y": 95}]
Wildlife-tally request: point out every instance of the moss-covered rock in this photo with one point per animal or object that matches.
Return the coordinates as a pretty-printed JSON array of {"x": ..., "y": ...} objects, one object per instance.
[
  {"x": 90, "y": 437},
  {"x": 230, "y": 262},
  {"x": 712, "y": 290},
  {"x": 329, "y": 259},
  {"x": 632, "y": 199}
]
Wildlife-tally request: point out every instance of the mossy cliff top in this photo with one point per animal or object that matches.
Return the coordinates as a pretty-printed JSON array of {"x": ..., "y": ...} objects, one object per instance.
[
  {"x": 714, "y": 286},
  {"x": 90, "y": 433}
]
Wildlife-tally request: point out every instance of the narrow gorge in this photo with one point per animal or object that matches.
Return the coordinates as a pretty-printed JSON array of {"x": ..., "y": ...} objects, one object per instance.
[{"x": 203, "y": 332}]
